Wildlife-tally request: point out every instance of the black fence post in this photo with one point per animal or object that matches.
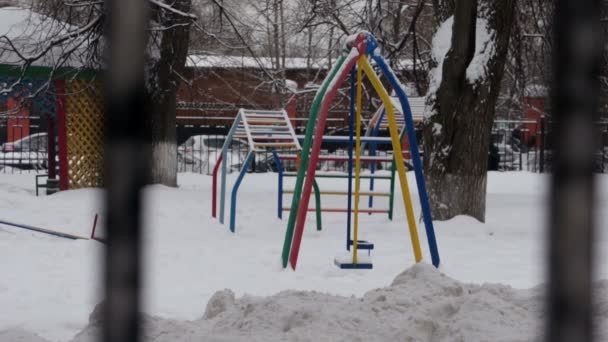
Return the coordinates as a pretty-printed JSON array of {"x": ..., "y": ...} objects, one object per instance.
[
  {"x": 126, "y": 167},
  {"x": 575, "y": 96},
  {"x": 520, "y": 159}
]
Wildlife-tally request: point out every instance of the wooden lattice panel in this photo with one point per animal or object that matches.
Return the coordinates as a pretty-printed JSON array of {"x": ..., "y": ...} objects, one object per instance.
[{"x": 85, "y": 133}]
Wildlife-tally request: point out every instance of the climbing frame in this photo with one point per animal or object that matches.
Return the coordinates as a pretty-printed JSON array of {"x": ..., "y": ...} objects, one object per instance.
[{"x": 264, "y": 130}]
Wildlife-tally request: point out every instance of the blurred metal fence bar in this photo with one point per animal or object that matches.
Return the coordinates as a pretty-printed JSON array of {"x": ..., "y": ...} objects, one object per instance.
[
  {"x": 126, "y": 168},
  {"x": 575, "y": 100}
]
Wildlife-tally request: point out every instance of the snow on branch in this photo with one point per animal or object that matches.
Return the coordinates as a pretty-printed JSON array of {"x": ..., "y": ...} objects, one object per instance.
[
  {"x": 484, "y": 50},
  {"x": 163, "y": 5}
]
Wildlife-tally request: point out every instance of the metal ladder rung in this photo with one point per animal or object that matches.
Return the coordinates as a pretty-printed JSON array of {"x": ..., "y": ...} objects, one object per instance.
[
  {"x": 273, "y": 137},
  {"x": 337, "y": 175},
  {"x": 267, "y": 132},
  {"x": 257, "y": 120},
  {"x": 344, "y": 210},
  {"x": 256, "y": 111},
  {"x": 277, "y": 127},
  {"x": 264, "y": 116},
  {"x": 345, "y": 193},
  {"x": 274, "y": 144}
]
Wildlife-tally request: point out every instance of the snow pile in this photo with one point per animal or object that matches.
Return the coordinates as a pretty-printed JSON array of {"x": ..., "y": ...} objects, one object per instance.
[
  {"x": 52, "y": 285},
  {"x": 442, "y": 41},
  {"x": 20, "y": 335},
  {"x": 421, "y": 304},
  {"x": 484, "y": 50},
  {"x": 291, "y": 85}
]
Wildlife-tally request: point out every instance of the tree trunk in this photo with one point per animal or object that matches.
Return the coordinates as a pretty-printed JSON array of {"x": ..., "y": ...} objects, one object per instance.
[
  {"x": 283, "y": 38},
  {"x": 457, "y": 134},
  {"x": 309, "y": 54},
  {"x": 443, "y": 9},
  {"x": 330, "y": 47},
  {"x": 163, "y": 78}
]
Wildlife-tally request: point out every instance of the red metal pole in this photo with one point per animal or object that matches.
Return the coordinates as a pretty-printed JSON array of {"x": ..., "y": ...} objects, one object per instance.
[
  {"x": 94, "y": 226},
  {"x": 314, "y": 159},
  {"x": 214, "y": 191}
]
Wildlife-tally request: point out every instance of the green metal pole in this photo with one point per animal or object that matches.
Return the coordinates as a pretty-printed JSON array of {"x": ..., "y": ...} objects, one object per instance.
[
  {"x": 317, "y": 203},
  {"x": 312, "y": 120}
]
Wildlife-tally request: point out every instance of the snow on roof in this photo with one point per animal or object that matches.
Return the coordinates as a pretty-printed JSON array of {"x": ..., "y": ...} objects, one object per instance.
[
  {"x": 233, "y": 62},
  {"x": 218, "y": 61},
  {"x": 14, "y": 20},
  {"x": 417, "y": 105},
  {"x": 30, "y": 32}
]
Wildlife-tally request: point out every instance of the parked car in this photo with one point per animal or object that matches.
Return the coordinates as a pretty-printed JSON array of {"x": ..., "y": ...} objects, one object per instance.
[
  {"x": 265, "y": 162},
  {"x": 30, "y": 152},
  {"x": 32, "y": 143},
  {"x": 200, "y": 153}
]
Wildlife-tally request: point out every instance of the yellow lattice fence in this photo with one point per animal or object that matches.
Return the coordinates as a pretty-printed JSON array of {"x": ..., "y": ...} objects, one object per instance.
[{"x": 85, "y": 133}]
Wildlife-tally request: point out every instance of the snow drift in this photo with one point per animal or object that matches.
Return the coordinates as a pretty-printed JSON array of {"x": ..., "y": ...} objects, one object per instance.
[{"x": 421, "y": 304}]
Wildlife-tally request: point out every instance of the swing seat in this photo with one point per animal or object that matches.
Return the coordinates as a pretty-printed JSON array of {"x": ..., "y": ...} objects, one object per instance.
[
  {"x": 362, "y": 244},
  {"x": 345, "y": 261}
]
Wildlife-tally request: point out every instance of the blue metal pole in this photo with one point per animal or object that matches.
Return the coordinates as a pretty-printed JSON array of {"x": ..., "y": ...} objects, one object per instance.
[
  {"x": 351, "y": 124},
  {"x": 43, "y": 230},
  {"x": 411, "y": 134},
  {"x": 277, "y": 160},
  {"x": 372, "y": 170},
  {"x": 223, "y": 185},
  {"x": 235, "y": 189},
  {"x": 225, "y": 163}
]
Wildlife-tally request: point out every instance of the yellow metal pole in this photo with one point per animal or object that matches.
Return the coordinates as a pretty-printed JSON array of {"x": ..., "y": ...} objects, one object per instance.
[
  {"x": 392, "y": 126},
  {"x": 357, "y": 159}
]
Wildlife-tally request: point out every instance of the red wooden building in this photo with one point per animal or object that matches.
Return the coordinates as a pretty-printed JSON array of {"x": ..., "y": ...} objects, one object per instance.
[{"x": 215, "y": 87}]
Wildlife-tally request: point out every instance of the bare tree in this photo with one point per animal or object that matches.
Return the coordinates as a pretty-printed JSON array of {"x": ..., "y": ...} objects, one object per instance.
[
  {"x": 464, "y": 88},
  {"x": 78, "y": 41},
  {"x": 170, "y": 29},
  {"x": 271, "y": 31},
  {"x": 526, "y": 71}
]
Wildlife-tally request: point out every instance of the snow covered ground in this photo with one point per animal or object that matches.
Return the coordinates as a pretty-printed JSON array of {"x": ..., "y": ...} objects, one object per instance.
[{"x": 49, "y": 286}]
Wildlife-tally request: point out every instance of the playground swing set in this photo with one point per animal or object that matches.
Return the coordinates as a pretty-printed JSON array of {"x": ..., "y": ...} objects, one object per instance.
[
  {"x": 376, "y": 124},
  {"x": 272, "y": 130}
]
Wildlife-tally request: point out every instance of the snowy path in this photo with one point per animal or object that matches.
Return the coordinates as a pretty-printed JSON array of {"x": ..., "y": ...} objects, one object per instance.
[{"x": 52, "y": 285}]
